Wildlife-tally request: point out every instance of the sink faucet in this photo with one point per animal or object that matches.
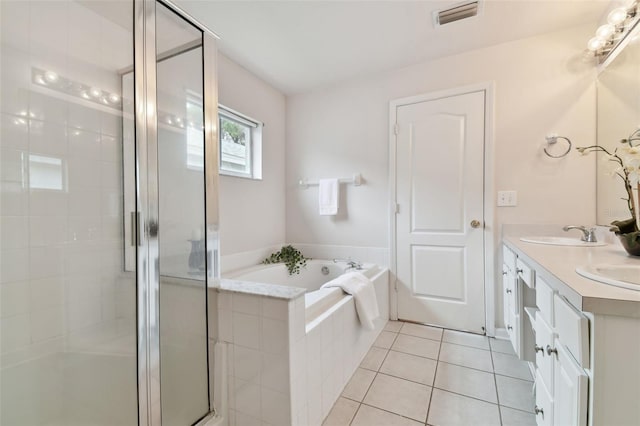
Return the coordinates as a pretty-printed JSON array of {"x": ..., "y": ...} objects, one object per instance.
[
  {"x": 588, "y": 235},
  {"x": 353, "y": 264}
]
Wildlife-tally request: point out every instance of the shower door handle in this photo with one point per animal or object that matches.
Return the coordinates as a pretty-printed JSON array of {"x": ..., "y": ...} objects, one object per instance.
[{"x": 135, "y": 228}]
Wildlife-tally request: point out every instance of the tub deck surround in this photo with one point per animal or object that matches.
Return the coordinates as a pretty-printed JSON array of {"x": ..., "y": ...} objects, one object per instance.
[
  {"x": 259, "y": 289},
  {"x": 289, "y": 356},
  {"x": 557, "y": 264}
]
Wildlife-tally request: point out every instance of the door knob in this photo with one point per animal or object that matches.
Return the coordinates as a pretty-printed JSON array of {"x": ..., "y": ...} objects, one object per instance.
[
  {"x": 475, "y": 223},
  {"x": 538, "y": 349},
  {"x": 538, "y": 410},
  {"x": 551, "y": 350}
]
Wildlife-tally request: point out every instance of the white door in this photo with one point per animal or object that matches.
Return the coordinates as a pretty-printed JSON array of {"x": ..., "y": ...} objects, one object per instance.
[{"x": 439, "y": 220}]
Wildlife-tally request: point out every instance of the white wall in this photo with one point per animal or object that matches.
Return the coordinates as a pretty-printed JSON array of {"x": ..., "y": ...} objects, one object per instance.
[
  {"x": 542, "y": 84},
  {"x": 252, "y": 211}
]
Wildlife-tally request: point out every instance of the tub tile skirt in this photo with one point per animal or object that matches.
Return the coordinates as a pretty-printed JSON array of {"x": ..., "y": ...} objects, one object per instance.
[{"x": 285, "y": 366}]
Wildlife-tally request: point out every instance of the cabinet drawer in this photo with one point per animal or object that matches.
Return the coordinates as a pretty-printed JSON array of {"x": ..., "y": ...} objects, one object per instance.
[
  {"x": 513, "y": 330},
  {"x": 544, "y": 361},
  {"x": 508, "y": 258},
  {"x": 525, "y": 273},
  {"x": 544, "y": 403},
  {"x": 544, "y": 301},
  {"x": 572, "y": 328}
]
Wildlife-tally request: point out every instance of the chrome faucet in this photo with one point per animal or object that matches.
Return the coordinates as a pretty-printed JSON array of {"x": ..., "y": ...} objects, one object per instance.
[
  {"x": 353, "y": 264},
  {"x": 588, "y": 235}
]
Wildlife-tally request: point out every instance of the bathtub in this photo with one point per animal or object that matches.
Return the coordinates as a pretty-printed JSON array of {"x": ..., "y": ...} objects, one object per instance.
[
  {"x": 292, "y": 346},
  {"x": 311, "y": 278}
]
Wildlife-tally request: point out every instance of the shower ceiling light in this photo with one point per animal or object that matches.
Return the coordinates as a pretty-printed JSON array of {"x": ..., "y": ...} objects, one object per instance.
[
  {"x": 57, "y": 83},
  {"x": 51, "y": 76}
]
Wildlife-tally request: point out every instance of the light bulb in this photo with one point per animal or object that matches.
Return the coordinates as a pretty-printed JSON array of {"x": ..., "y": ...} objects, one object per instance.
[
  {"x": 40, "y": 80},
  {"x": 84, "y": 94},
  {"x": 605, "y": 31},
  {"x": 95, "y": 92},
  {"x": 617, "y": 16},
  {"x": 51, "y": 76},
  {"x": 595, "y": 44},
  {"x": 114, "y": 98}
]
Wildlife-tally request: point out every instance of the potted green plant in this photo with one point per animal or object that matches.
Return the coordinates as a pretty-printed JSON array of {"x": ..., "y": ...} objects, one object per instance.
[{"x": 290, "y": 256}]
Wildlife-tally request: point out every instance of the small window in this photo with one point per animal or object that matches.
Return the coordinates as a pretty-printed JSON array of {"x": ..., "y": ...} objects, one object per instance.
[{"x": 240, "y": 145}]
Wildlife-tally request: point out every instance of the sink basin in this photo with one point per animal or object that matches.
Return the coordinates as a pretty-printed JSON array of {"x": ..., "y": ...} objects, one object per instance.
[
  {"x": 625, "y": 276},
  {"x": 561, "y": 241}
]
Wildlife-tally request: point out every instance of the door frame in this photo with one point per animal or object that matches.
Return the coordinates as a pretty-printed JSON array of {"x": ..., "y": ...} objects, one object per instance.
[{"x": 489, "y": 231}]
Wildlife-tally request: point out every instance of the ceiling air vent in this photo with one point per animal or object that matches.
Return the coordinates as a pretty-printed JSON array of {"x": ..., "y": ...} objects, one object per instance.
[{"x": 462, "y": 11}]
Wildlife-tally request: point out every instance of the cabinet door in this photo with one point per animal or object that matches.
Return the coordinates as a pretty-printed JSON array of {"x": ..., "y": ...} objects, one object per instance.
[
  {"x": 544, "y": 362},
  {"x": 544, "y": 403},
  {"x": 570, "y": 389}
]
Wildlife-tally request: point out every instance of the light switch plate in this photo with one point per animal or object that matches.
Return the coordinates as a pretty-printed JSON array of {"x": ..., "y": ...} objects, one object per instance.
[{"x": 507, "y": 198}]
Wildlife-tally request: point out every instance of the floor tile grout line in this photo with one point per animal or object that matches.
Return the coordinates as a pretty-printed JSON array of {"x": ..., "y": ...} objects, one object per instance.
[
  {"x": 435, "y": 374},
  {"x": 513, "y": 377},
  {"x": 495, "y": 381},
  {"x": 390, "y": 412},
  {"x": 355, "y": 414},
  {"x": 467, "y": 396}
]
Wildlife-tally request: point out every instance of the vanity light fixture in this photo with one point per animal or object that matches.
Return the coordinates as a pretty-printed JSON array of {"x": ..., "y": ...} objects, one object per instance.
[{"x": 619, "y": 21}]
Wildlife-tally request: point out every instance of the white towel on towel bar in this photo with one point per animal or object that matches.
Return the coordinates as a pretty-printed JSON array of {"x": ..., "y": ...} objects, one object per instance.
[
  {"x": 328, "y": 195},
  {"x": 364, "y": 295}
]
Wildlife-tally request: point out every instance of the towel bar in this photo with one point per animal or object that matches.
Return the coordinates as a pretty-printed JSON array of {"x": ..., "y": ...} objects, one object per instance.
[{"x": 356, "y": 180}]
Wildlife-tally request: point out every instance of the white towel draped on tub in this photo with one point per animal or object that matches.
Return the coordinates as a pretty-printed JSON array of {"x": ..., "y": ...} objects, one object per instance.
[
  {"x": 329, "y": 193},
  {"x": 364, "y": 295}
]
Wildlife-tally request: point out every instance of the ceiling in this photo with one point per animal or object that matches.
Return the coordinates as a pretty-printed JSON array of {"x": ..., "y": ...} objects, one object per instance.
[{"x": 301, "y": 45}]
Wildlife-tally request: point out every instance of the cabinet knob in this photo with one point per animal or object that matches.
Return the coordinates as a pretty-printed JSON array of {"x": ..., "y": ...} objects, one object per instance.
[
  {"x": 538, "y": 410},
  {"x": 509, "y": 327},
  {"x": 504, "y": 273},
  {"x": 551, "y": 350},
  {"x": 508, "y": 291},
  {"x": 519, "y": 271},
  {"x": 538, "y": 349}
]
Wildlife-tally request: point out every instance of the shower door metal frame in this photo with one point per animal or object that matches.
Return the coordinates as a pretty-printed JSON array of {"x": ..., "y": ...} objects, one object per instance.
[{"x": 147, "y": 198}]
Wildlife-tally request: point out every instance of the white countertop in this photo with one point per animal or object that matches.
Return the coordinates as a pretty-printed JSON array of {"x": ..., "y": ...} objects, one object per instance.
[{"x": 557, "y": 265}]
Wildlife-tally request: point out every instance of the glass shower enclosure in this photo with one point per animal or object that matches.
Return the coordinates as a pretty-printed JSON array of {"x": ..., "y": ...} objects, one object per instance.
[{"x": 108, "y": 213}]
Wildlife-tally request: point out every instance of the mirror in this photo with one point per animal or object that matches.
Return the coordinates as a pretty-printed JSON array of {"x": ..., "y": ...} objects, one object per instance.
[{"x": 618, "y": 115}]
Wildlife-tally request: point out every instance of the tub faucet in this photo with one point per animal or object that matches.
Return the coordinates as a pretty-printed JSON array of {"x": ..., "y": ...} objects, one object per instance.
[
  {"x": 353, "y": 264},
  {"x": 588, "y": 235}
]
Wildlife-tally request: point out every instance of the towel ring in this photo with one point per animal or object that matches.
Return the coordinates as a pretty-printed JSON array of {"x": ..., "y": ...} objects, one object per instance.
[{"x": 552, "y": 139}]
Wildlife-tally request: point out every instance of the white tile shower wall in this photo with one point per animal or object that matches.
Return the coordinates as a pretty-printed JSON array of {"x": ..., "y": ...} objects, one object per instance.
[
  {"x": 61, "y": 280},
  {"x": 256, "y": 330},
  {"x": 352, "y": 119}
]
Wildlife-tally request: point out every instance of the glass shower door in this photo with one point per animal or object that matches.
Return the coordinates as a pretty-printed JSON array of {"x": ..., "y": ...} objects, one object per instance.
[
  {"x": 68, "y": 303},
  {"x": 182, "y": 225}
]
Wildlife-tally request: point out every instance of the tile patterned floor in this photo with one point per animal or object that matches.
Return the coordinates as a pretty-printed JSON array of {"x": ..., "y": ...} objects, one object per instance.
[{"x": 421, "y": 375}]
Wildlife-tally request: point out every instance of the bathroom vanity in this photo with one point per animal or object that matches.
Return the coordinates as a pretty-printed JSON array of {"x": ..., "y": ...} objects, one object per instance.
[{"x": 582, "y": 337}]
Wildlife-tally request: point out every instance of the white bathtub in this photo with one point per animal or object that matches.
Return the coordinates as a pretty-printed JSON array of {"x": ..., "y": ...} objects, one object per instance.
[{"x": 311, "y": 277}]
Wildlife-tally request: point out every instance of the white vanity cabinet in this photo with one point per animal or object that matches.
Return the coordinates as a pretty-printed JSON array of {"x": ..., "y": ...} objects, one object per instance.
[{"x": 585, "y": 342}]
